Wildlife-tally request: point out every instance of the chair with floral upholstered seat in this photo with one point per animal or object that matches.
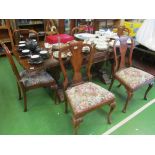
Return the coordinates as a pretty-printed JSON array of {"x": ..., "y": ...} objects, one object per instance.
[
  {"x": 131, "y": 78},
  {"x": 28, "y": 80},
  {"x": 83, "y": 97}
]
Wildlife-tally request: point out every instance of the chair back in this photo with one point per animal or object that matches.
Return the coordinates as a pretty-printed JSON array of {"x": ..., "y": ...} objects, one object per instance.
[
  {"x": 12, "y": 63},
  {"x": 79, "y": 29},
  {"x": 50, "y": 27},
  {"x": 122, "y": 30},
  {"x": 77, "y": 59},
  {"x": 123, "y": 52},
  {"x": 23, "y": 34}
]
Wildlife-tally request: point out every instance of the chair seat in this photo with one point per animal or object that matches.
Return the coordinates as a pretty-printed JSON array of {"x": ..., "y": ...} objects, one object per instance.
[
  {"x": 87, "y": 96},
  {"x": 35, "y": 78},
  {"x": 134, "y": 78}
]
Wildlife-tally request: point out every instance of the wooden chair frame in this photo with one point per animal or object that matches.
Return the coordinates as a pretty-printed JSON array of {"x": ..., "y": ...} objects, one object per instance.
[
  {"x": 78, "y": 29},
  {"x": 21, "y": 87},
  {"x": 120, "y": 63},
  {"x": 77, "y": 59},
  {"x": 25, "y": 33}
]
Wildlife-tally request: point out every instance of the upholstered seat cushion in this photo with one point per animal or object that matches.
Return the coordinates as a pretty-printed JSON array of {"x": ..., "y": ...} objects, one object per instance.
[
  {"x": 34, "y": 78},
  {"x": 134, "y": 78},
  {"x": 87, "y": 96}
]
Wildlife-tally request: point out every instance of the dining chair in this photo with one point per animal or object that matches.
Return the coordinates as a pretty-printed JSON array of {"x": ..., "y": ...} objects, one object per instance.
[
  {"x": 130, "y": 77},
  {"x": 79, "y": 29},
  {"x": 23, "y": 34},
  {"x": 28, "y": 80},
  {"x": 50, "y": 27},
  {"x": 82, "y": 96}
]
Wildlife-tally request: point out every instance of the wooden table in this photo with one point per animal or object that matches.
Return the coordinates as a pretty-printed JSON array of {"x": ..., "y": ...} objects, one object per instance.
[
  {"x": 23, "y": 61},
  {"x": 52, "y": 64}
]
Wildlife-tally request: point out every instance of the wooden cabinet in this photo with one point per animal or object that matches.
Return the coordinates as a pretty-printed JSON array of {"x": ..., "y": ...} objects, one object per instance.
[
  {"x": 61, "y": 26},
  {"x": 106, "y": 23},
  {"x": 69, "y": 24},
  {"x": 5, "y": 36},
  {"x": 66, "y": 25},
  {"x": 35, "y": 24}
]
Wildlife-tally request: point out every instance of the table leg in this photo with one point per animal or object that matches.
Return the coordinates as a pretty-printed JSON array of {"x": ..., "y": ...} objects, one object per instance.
[
  {"x": 101, "y": 73},
  {"x": 55, "y": 73}
]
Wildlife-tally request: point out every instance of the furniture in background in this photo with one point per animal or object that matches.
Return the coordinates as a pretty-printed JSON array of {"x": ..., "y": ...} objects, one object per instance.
[
  {"x": 34, "y": 24},
  {"x": 28, "y": 80},
  {"x": 122, "y": 30},
  {"x": 50, "y": 27},
  {"x": 52, "y": 64},
  {"x": 78, "y": 29},
  {"x": 131, "y": 78},
  {"x": 5, "y": 36},
  {"x": 23, "y": 34},
  {"x": 66, "y": 25},
  {"x": 83, "y": 97},
  {"x": 106, "y": 23}
]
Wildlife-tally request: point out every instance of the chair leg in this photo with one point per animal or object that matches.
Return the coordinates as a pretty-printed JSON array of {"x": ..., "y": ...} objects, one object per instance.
[
  {"x": 19, "y": 91},
  {"x": 130, "y": 94},
  {"x": 148, "y": 89},
  {"x": 66, "y": 105},
  {"x": 55, "y": 96},
  {"x": 76, "y": 124},
  {"x": 112, "y": 81},
  {"x": 54, "y": 88},
  {"x": 55, "y": 99},
  {"x": 25, "y": 101},
  {"x": 112, "y": 107}
]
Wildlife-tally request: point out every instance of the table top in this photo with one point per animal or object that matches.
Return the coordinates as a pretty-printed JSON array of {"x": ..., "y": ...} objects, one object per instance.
[
  {"x": 52, "y": 62},
  {"x": 24, "y": 61}
]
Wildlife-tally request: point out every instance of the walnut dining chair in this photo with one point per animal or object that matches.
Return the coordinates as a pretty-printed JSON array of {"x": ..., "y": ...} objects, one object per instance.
[
  {"x": 23, "y": 34},
  {"x": 130, "y": 77},
  {"x": 28, "y": 80},
  {"x": 82, "y": 96},
  {"x": 78, "y": 29}
]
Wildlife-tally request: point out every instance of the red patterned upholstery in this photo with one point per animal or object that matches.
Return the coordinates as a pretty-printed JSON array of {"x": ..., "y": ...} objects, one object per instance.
[{"x": 64, "y": 38}]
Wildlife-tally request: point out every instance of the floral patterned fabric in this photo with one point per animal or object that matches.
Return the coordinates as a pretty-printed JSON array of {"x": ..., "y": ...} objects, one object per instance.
[
  {"x": 134, "y": 78},
  {"x": 34, "y": 78},
  {"x": 86, "y": 96}
]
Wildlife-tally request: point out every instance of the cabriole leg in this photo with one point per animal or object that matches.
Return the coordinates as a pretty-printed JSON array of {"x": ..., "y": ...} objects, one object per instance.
[
  {"x": 112, "y": 107},
  {"x": 130, "y": 94},
  {"x": 148, "y": 89}
]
